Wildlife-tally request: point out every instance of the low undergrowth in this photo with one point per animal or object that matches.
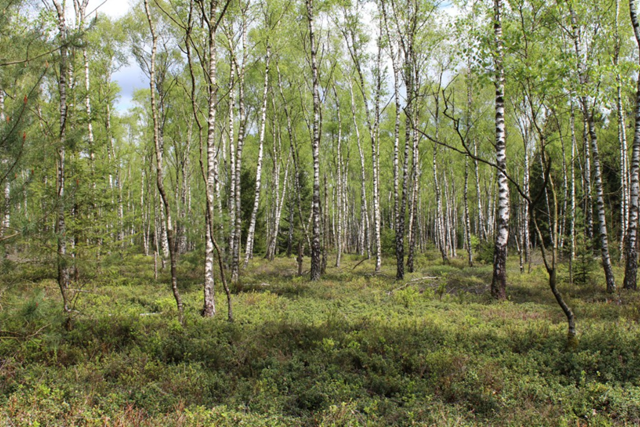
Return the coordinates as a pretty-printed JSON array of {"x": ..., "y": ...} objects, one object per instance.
[{"x": 353, "y": 349}]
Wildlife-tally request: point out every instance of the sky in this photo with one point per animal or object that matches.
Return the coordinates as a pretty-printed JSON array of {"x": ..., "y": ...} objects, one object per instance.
[{"x": 129, "y": 77}]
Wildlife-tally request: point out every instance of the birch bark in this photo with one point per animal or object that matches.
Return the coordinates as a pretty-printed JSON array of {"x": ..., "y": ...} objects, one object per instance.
[
  {"x": 316, "y": 267},
  {"x": 61, "y": 229},
  {"x": 499, "y": 281},
  {"x": 256, "y": 200},
  {"x": 631, "y": 265}
]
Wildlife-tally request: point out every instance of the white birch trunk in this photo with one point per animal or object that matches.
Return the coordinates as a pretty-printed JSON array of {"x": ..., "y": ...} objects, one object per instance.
[
  {"x": 159, "y": 168},
  {"x": 315, "y": 149},
  {"x": 256, "y": 201},
  {"x": 364, "y": 229},
  {"x": 209, "y": 306},
  {"x": 631, "y": 265},
  {"x": 499, "y": 281}
]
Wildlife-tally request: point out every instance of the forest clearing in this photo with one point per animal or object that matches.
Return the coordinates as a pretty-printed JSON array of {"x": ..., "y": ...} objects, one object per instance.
[{"x": 319, "y": 212}]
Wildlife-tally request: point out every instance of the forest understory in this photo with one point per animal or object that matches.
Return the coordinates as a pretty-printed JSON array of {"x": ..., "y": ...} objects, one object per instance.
[{"x": 354, "y": 348}]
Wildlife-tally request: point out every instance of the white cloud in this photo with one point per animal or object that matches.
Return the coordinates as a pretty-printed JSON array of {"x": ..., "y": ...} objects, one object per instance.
[
  {"x": 129, "y": 79},
  {"x": 113, "y": 8}
]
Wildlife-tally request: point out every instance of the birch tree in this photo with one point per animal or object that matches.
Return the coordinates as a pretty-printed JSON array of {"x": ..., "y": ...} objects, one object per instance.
[
  {"x": 159, "y": 151},
  {"x": 315, "y": 148},
  {"x": 499, "y": 280},
  {"x": 631, "y": 254}
]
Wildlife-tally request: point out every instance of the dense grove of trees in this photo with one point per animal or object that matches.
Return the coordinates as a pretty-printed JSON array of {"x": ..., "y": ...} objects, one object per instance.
[{"x": 317, "y": 128}]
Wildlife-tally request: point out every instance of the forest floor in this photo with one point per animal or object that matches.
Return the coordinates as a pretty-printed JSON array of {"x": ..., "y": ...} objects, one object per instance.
[{"x": 354, "y": 349}]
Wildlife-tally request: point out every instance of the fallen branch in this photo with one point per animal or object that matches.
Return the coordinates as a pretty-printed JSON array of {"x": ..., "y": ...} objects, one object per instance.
[
  {"x": 360, "y": 262},
  {"x": 83, "y": 291},
  {"x": 20, "y": 336},
  {"x": 417, "y": 279},
  {"x": 2, "y": 239},
  {"x": 411, "y": 282},
  {"x": 399, "y": 288}
]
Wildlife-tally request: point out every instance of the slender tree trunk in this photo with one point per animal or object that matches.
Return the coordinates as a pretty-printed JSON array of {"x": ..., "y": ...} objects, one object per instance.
[
  {"x": 631, "y": 265},
  {"x": 316, "y": 267},
  {"x": 573, "y": 193},
  {"x": 597, "y": 174},
  {"x": 467, "y": 218},
  {"x": 373, "y": 127},
  {"x": 61, "y": 229},
  {"x": 339, "y": 187},
  {"x": 587, "y": 184},
  {"x": 440, "y": 212},
  {"x": 159, "y": 168},
  {"x": 413, "y": 209},
  {"x": 256, "y": 201},
  {"x": 364, "y": 229},
  {"x": 157, "y": 232},
  {"x": 565, "y": 184},
  {"x": 550, "y": 256},
  {"x": 235, "y": 262},
  {"x": 325, "y": 227},
  {"x": 622, "y": 138},
  {"x": 375, "y": 156},
  {"x": 396, "y": 141},
  {"x": 396, "y": 130},
  {"x": 144, "y": 211},
  {"x": 6, "y": 217},
  {"x": 583, "y": 80},
  {"x": 481, "y": 228},
  {"x": 526, "y": 239},
  {"x": 209, "y": 306},
  {"x": 279, "y": 199},
  {"x": 499, "y": 281},
  {"x": 232, "y": 165},
  {"x": 81, "y": 8}
]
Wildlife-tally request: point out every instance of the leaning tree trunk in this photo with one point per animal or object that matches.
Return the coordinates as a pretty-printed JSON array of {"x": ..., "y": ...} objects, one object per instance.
[
  {"x": 159, "y": 168},
  {"x": 499, "y": 281},
  {"x": 316, "y": 262},
  {"x": 550, "y": 256},
  {"x": 631, "y": 266}
]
